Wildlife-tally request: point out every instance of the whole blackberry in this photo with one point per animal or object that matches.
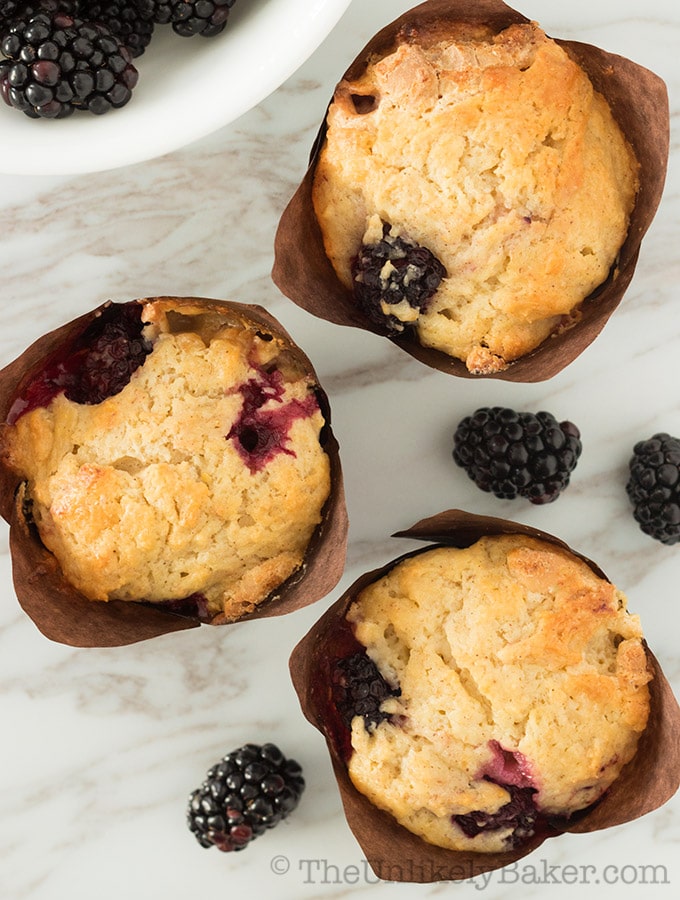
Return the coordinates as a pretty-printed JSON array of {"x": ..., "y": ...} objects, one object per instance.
[
  {"x": 359, "y": 690},
  {"x": 189, "y": 17},
  {"x": 250, "y": 790},
  {"x": 395, "y": 270},
  {"x": 654, "y": 487},
  {"x": 124, "y": 18},
  {"x": 515, "y": 454},
  {"x": 59, "y": 63}
]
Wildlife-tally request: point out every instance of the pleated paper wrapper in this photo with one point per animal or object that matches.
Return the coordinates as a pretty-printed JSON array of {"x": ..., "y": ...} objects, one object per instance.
[
  {"x": 64, "y": 614},
  {"x": 394, "y": 853},
  {"x": 639, "y": 102}
]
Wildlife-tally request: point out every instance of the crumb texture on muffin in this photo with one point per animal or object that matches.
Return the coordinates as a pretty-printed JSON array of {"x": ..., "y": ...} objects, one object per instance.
[
  {"x": 495, "y": 153},
  {"x": 520, "y": 690},
  {"x": 203, "y": 477}
]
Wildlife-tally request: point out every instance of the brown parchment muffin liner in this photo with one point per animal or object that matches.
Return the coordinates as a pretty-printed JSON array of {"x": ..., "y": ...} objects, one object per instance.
[
  {"x": 65, "y": 615},
  {"x": 639, "y": 102},
  {"x": 394, "y": 853}
]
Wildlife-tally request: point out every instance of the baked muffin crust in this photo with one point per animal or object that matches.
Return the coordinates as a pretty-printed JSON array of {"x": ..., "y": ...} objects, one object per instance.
[
  {"x": 519, "y": 672},
  {"x": 495, "y": 153},
  {"x": 204, "y": 477}
]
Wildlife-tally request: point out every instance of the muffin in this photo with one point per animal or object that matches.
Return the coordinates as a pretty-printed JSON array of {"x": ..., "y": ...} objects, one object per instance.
[
  {"x": 477, "y": 192},
  {"x": 482, "y": 694},
  {"x": 172, "y": 453},
  {"x": 476, "y": 189},
  {"x": 515, "y": 688}
]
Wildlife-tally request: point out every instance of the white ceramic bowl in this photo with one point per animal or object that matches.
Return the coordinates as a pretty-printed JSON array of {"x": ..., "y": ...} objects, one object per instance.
[{"x": 188, "y": 88}]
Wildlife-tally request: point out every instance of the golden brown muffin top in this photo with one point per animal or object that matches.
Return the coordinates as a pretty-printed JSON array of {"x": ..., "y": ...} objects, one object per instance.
[
  {"x": 495, "y": 153},
  {"x": 518, "y": 668},
  {"x": 203, "y": 476}
]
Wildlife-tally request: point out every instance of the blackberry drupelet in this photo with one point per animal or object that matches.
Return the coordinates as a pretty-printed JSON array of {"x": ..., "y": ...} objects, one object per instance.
[
  {"x": 250, "y": 790},
  {"x": 8, "y": 8},
  {"x": 60, "y": 63},
  {"x": 207, "y": 18},
  {"x": 132, "y": 25},
  {"x": 512, "y": 454},
  {"x": 653, "y": 487},
  {"x": 359, "y": 690},
  {"x": 395, "y": 271},
  {"x": 8, "y": 11}
]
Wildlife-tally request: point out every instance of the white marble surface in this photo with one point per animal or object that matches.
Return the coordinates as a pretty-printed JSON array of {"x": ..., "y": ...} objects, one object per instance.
[{"x": 100, "y": 748}]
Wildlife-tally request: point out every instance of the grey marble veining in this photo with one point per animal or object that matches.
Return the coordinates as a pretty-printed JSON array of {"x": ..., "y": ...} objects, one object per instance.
[{"x": 100, "y": 748}]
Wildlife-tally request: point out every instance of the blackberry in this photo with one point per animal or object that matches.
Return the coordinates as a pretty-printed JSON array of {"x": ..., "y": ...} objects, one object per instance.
[
  {"x": 359, "y": 690},
  {"x": 654, "y": 487},
  {"x": 250, "y": 790},
  {"x": 519, "y": 813},
  {"x": 113, "y": 349},
  {"x": 59, "y": 63},
  {"x": 393, "y": 271},
  {"x": 189, "y": 17},
  {"x": 515, "y": 454},
  {"x": 97, "y": 364},
  {"x": 195, "y": 606},
  {"x": 132, "y": 25}
]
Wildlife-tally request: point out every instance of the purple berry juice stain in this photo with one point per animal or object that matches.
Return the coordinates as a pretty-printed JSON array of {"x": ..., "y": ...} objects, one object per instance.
[
  {"x": 260, "y": 434},
  {"x": 510, "y": 770},
  {"x": 508, "y": 767}
]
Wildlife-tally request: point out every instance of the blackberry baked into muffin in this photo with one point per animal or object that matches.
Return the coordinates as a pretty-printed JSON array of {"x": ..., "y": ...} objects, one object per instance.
[
  {"x": 477, "y": 192},
  {"x": 482, "y": 694},
  {"x": 475, "y": 188},
  {"x": 175, "y": 453}
]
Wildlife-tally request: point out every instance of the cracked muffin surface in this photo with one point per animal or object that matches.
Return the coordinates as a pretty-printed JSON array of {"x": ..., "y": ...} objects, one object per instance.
[
  {"x": 517, "y": 691},
  {"x": 495, "y": 154},
  {"x": 203, "y": 477}
]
